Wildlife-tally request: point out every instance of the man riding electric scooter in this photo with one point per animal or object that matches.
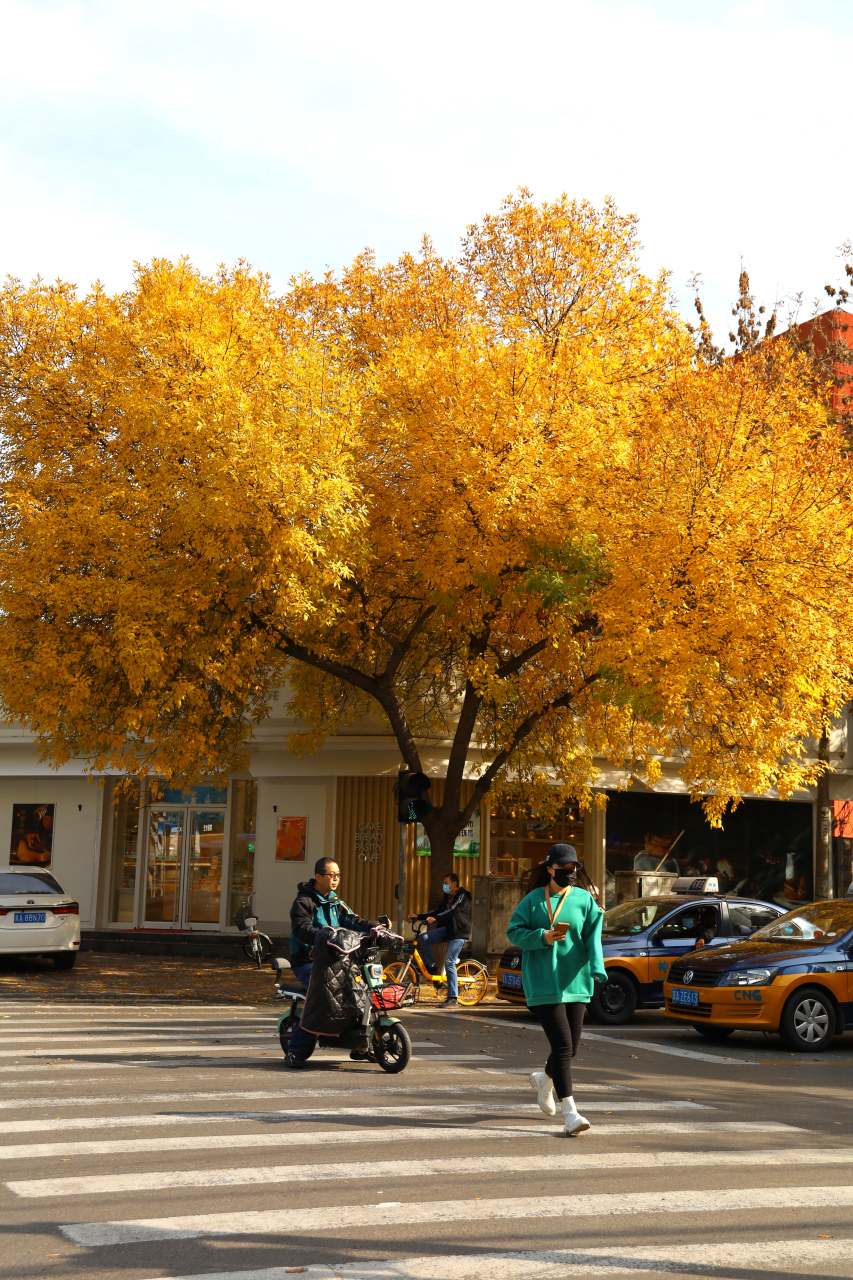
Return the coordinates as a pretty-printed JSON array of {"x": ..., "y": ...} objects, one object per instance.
[{"x": 317, "y": 906}]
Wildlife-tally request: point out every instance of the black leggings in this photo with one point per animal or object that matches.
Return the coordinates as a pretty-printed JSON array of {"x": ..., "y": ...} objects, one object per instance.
[{"x": 562, "y": 1025}]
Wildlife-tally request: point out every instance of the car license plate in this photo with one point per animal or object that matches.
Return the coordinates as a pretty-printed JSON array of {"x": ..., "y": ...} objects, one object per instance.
[
  {"x": 510, "y": 979},
  {"x": 681, "y": 995},
  {"x": 29, "y": 917}
]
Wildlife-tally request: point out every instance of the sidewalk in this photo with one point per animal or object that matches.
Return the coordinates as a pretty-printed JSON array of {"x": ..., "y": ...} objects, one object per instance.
[{"x": 101, "y": 978}]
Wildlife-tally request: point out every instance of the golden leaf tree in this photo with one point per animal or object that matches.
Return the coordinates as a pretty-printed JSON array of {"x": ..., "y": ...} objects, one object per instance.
[{"x": 500, "y": 500}]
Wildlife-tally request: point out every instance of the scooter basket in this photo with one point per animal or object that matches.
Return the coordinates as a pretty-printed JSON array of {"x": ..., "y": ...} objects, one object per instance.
[{"x": 392, "y": 995}]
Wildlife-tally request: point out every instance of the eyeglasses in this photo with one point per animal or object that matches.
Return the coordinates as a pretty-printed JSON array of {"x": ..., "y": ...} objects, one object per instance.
[{"x": 330, "y": 875}]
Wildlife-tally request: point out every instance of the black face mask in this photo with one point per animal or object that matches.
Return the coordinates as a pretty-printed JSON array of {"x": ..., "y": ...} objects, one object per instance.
[{"x": 563, "y": 875}]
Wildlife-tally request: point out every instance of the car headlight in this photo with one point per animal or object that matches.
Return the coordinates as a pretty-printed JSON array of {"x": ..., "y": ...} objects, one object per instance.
[{"x": 747, "y": 978}]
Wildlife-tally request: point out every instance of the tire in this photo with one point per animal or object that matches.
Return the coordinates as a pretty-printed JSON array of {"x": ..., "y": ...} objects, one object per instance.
[
  {"x": 809, "y": 1012},
  {"x": 264, "y": 949},
  {"x": 287, "y": 1029},
  {"x": 64, "y": 959},
  {"x": 392, "y": 1047},
  {"x": 712, "y": 1033},
  {"x": 615, "y": 1001},
  {"x": 476, "y": 978}
]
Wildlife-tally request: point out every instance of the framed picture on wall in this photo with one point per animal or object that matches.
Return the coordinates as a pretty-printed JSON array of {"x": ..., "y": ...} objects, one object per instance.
[
  {"x": 291, "y": 839},
  {"x": 32, "y": 835}
]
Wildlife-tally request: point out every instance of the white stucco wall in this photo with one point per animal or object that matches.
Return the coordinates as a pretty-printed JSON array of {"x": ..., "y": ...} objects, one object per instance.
[
  {"x": 276, "y": 882},
  {"x": 76, "y": 829}
]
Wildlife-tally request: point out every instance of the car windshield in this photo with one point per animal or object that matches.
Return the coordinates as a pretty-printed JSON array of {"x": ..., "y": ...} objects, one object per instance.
[
  {"x": 30, "y": 883},
  {"x": 810, "y": 924},
  {"x": 633, "y": 917}
]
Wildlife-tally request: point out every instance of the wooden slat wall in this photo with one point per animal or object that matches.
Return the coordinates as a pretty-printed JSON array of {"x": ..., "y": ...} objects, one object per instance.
[{"x": 368, "y": 886}]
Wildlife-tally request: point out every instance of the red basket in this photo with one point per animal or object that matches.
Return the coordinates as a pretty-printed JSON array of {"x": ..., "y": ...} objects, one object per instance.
[{"x": 390, "y": 997}]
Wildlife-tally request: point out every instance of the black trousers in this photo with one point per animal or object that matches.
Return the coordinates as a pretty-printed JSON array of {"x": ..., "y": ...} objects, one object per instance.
[{"x": 562, "y": 1024}]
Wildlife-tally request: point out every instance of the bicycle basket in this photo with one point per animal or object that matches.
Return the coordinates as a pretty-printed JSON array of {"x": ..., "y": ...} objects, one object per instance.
[
  {"x": 240, "y": 916},
  {"x": 392, "y": 996}
]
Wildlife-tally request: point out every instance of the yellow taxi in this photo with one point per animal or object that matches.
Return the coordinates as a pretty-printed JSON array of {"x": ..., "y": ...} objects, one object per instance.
[
  {"x": 640, "y": 939},
  {"x": 794, "y": 977}
]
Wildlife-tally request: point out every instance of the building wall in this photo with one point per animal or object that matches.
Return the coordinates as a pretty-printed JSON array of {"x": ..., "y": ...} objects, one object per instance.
[{"x": 76, "y": 829}]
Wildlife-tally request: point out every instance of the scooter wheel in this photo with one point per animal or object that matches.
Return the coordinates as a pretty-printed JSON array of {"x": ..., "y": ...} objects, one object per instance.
[{"x": 392, "y": 1047}]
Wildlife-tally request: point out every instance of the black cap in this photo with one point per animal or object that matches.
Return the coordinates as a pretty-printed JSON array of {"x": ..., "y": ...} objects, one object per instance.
[{"x": 560, "y": 855}]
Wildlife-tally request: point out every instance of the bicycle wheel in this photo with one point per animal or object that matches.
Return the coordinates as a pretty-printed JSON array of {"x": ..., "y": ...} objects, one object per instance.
[
  {"x": 394, "y": 971},
  {"x": 392, "y": 1047},
  {"x": 473, "y": 981}
]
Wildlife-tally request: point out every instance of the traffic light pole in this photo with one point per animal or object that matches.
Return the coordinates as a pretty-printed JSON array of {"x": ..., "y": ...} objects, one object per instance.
[{"x": 401, "y": 878}]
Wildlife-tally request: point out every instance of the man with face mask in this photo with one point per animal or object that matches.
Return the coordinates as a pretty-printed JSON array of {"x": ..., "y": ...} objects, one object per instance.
[{"x": 451, "y": 924}]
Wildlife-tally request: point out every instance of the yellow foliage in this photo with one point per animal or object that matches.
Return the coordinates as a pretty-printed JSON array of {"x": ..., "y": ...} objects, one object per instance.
[{"x": 500, "y": 497}]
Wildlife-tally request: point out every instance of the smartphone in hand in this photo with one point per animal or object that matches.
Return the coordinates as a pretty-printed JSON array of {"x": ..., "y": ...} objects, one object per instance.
[{"x": 561, "y": 929}]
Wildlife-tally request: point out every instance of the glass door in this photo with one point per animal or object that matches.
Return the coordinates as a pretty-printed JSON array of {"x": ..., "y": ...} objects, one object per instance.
[
  {"x": 206, "y": 832},
  {"x": 184, "y": 867}
]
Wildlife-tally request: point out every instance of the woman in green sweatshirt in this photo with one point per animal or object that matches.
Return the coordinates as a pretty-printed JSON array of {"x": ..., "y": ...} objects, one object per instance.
[{"x": 557, "y": 925}]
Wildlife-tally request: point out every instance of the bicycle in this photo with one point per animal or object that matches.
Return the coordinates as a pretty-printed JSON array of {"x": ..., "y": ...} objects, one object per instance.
[
  {"x": 473, "y": 977},
  {"x": 257, "y": 946}
]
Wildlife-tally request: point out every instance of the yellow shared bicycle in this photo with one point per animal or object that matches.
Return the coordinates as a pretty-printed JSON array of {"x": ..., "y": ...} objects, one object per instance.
[{"x": 411, "y": 971}]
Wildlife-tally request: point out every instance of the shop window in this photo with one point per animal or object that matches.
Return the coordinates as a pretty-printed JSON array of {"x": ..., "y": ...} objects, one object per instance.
[
  {"x": 763, "y": 850},
  {"x": 244, "y": 818},
  {"x": 123, "y": 853},
  {"x": 519, "y": 840}
]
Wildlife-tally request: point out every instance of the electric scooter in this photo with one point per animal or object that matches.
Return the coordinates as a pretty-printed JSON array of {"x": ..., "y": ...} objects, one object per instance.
[{"x": 387, "y": 1040}]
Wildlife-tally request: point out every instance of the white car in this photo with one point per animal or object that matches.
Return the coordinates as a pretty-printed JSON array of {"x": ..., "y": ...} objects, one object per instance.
[{"x": 37, "y": 917}]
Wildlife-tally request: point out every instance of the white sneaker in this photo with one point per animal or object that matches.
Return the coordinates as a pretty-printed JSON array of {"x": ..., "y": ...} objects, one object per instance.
[
  {"x": 575, "y": 1122},
  {"x": 545, "y": 1092}
]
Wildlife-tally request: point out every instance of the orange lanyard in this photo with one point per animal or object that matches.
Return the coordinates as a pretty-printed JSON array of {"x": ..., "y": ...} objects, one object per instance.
[{"x": 552, "y": 914}]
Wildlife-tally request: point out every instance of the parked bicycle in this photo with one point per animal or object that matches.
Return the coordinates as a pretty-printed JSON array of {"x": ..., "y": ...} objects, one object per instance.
[
  {"x": 411, "y": 971},
  {"x": 257, "y": 946}
]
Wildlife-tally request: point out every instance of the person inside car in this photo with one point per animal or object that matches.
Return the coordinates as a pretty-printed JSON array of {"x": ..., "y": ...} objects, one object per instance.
[
  {"x": 316, "y": 906},
  {"x": 706, "y": 928},
  {"x": 451, "y": 923}
]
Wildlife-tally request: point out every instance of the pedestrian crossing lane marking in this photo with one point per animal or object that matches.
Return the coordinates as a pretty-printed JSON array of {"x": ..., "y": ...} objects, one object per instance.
[
  {"x": 455, "y": 1166},
  {"x": 765, "y": 1256},
  {"x": 208, "y": 1142},
  {"x": 334, "y": 1218}
]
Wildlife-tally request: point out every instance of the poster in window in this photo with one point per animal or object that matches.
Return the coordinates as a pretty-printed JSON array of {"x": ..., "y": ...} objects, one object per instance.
[
  {"x": 290, "y": 839},
  {"x": 466, "y": 843},
  {"x": 32, "y": 835}
]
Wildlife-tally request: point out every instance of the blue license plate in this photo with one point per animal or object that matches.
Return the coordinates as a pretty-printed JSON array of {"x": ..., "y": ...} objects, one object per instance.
[
  {"x": 29, "y": 917},
  {"x": 681, "y": 995},
  {"x": 510, "y": 979}
]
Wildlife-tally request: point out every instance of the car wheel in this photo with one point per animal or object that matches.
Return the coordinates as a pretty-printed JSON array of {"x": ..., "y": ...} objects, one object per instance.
[
  {"x": 808, "y": 1021},
  {"x": 712, "y": 1033},
  {"x": 615, "y": 1001},
  {"x": 64, "y": 959}
]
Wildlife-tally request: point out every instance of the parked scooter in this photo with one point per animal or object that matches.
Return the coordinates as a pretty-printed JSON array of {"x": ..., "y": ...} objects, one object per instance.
[{"x": 387, "y": 1040}]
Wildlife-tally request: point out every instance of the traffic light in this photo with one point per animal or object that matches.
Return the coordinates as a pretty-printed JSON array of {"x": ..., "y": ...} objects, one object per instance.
[{"x": 409, "y": 793}]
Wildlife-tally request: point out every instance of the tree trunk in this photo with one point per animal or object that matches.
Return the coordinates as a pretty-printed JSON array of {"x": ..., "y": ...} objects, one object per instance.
[
  {"x": 441, "y": 841},
  {"x": 824, "y": 881}
]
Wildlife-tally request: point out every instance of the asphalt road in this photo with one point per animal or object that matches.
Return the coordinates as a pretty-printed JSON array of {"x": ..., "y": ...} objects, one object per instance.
[{"x": 145, "y": 1140}]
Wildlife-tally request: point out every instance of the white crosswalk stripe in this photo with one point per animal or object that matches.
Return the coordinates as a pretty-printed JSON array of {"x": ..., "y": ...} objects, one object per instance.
[
  {"x": 394, "y": 1213},
  {"x": 765, "y": 1256},
  {"x": 35, "y": 1188},
  {"x": 217, "y": 1141},
  {"x": 330, "y": 1164}
]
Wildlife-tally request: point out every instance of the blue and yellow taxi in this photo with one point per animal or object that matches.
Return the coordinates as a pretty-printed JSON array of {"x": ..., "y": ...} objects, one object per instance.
[
  {"x": 642, "y": 938},
  {"x": 794, "y": 977}
]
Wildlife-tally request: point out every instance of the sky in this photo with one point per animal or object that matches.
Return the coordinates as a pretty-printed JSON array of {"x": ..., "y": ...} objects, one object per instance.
[{"x": 295, "y": 135}]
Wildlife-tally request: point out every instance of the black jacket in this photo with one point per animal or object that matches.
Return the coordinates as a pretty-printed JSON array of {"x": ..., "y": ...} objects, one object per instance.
[
  {"x": 311, "y": 912},
  {"x": 337, "y": 999},
  {"x": 454, "y": 914}
]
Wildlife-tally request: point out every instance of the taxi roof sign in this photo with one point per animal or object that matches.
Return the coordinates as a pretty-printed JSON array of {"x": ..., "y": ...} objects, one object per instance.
[{"x": 692, "y": 884}]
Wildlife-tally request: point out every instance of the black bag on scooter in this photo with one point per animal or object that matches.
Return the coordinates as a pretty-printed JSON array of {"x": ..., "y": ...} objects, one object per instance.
[{"x": 337, "y": 997}]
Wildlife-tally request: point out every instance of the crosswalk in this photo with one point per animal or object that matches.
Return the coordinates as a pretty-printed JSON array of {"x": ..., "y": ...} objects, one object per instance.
[{"x": 223, "y": 1166}]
